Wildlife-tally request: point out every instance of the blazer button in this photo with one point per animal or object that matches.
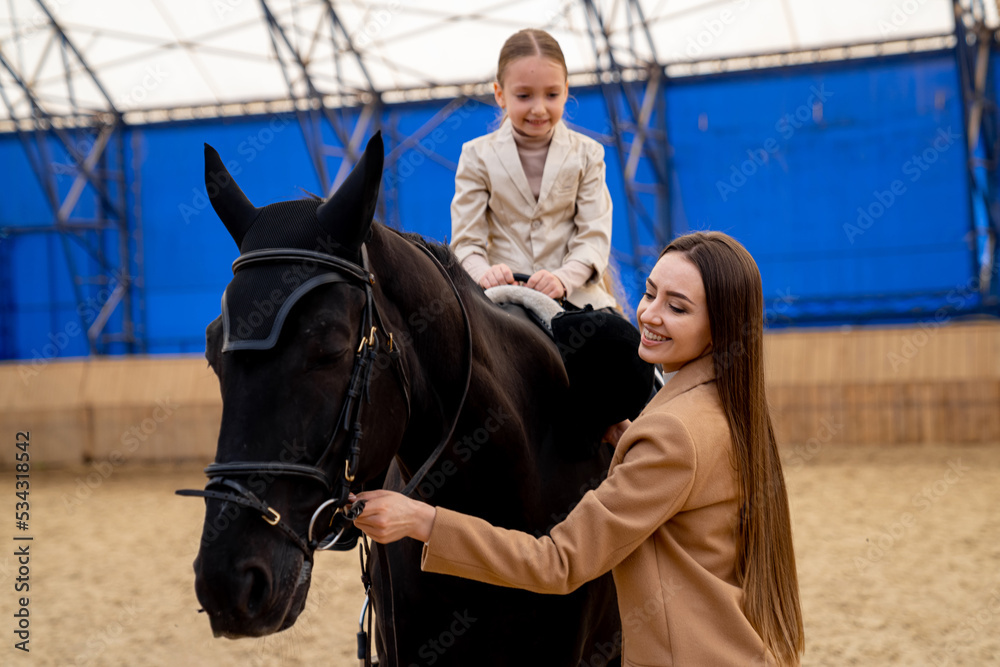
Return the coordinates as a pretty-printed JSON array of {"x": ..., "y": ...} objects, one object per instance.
[{"x": 535, "y": 224}]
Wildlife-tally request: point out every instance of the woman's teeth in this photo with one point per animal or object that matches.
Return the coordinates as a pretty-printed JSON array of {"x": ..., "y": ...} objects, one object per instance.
[{"x": 652, "y": 336}]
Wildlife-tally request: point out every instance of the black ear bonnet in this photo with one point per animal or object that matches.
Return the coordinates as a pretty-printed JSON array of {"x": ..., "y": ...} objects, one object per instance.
[{"x": 261, "y": 293}]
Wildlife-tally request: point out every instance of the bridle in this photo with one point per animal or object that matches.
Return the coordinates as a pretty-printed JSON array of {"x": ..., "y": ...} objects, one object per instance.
[{"x": 222, "y": 486}]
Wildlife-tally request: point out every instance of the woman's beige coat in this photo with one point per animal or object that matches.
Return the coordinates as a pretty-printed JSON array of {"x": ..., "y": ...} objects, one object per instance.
[
  {"x": 662, "y": 522},
  {"x": 495, "y": 214}
]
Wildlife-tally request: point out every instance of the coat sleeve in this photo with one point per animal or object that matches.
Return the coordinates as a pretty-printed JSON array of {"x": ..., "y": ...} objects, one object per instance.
[
  {"x": 469, "y": 227},
  {"x": 649, "y": 486},
  {"x": 591, "y": 244}
]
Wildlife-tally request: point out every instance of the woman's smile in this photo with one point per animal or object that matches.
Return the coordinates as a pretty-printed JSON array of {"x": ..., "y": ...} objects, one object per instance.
[{"x": 649, "y": 337}]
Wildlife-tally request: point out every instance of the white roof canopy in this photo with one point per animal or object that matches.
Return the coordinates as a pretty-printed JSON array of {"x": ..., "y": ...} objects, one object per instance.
[{"x": 155, "y": 54}]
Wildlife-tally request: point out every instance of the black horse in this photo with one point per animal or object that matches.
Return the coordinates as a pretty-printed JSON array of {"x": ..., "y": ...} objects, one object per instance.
[{"x": 477, "y": 389}]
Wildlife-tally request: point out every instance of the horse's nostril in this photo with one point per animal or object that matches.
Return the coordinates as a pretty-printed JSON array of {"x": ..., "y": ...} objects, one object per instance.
[{"x": 257, "y": 585}]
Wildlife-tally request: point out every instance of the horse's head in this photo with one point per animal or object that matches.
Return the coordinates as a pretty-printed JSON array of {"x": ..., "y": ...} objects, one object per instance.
[{"x": 293, "y": 350}]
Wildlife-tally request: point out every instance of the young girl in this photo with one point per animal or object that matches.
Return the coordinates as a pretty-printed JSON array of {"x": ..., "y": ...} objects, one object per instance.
[
  {"x": 530, "y": 197},
  {"x": 693, "y": 517}
]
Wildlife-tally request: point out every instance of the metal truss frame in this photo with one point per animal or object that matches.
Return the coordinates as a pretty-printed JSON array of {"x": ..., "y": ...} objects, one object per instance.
[
  {"x": 974, "y": 50},
  {"x": 311, "y": 108},
  {"x": 94, "y": 145},
  {"x": 629, "y": 74},
  {"x": 350, "y": 124},
  {"x": 639, "y": 130}
]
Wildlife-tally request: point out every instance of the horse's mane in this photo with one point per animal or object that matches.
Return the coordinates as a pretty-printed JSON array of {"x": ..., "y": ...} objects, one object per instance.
[{"x": 442, "y": 253}]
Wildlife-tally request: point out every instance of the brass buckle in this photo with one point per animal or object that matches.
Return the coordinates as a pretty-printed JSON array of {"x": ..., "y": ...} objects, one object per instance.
[
  {"x": 370, "y": 341},
  {"x": 275, "y": 520},
  {"x": 347, "y": 471}
]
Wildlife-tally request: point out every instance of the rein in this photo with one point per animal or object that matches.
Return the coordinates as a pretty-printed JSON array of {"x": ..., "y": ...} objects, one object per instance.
[
  {"x": 417, "y": 477},
  {"x": 221, "y": 486}
]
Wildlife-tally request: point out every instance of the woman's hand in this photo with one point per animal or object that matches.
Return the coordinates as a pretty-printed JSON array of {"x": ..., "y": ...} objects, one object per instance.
[
  {"x": 499, "y": 274},
  {"x": 615, "y": 431},
  {"x": 389, "y": 516},
  {"x": 547, "y": 283}
]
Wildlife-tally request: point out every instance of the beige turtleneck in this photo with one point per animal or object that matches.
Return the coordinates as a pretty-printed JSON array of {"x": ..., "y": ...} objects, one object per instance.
[{"x": 533, "y": 151}]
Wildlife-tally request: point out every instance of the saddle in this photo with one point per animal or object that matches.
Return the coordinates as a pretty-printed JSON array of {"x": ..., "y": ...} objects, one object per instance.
[{"x": 608, "y": 382}]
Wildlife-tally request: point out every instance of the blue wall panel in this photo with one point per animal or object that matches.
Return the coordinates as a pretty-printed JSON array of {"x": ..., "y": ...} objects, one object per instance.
[
  {"x": 846, "y": 181},
  {"x": 425, "y": 185},
  {"x": 45, "y": 311},
  {"x": 189, "y": 253},
  {"x": 25, "y": 201}
]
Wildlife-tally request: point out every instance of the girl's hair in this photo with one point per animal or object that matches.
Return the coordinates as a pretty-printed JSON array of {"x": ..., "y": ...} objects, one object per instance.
[
  {"x": 765, "y": 560},
  {"x": 611, "y": 280},
  {"x": 529, "y": 42},
  {"x": 526, "y": 43}
]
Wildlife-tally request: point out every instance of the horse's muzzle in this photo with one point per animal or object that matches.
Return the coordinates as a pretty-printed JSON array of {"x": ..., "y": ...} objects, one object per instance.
[{"x": 252, "y": 597}]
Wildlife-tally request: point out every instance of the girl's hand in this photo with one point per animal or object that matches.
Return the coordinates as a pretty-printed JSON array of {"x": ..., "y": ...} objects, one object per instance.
[
  {"x": 499, "y": 274},
  {"x": 389, "y": 516},
  {"x": 547, "y": 283}
]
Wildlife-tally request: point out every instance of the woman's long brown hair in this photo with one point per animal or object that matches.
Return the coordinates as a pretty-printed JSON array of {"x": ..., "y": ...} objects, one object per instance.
[{"x": 765, "y": 560}]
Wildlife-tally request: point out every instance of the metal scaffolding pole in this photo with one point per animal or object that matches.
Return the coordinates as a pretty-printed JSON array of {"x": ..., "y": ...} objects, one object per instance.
[
  {"x": 636, "y": 107},
  {"x": 974, "y": 48},
  {"x": 311, "y": 107},
  {"x": 109, "y": 279},
  {"x": 349, "y": 125}
]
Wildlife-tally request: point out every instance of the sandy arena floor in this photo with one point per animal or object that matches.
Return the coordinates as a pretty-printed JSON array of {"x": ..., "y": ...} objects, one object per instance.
[{"x": 898, "y": 552}]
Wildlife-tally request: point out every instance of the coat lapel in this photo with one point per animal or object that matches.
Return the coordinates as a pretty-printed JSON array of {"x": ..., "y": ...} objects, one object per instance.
[
  {"x": 695, "y": 372},
  {"x": 558, "y": 150},
  {"x": 506, "y": 151}
]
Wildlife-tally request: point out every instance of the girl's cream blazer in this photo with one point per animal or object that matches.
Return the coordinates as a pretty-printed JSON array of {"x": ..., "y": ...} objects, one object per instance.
[{"x": 495, "y": 214}]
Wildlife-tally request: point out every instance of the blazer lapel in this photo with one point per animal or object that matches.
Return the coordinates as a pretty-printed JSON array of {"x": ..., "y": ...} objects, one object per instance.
[
  {"x": 558, "y": 150},
  {"x": 506, "y": 151}
]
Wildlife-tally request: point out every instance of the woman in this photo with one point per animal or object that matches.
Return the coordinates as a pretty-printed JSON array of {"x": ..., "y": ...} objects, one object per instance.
[{"x": 693, "y": 517}]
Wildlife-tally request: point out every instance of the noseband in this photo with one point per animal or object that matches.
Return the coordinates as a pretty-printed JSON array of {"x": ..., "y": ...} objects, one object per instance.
[{"x": 221, "y": 486}]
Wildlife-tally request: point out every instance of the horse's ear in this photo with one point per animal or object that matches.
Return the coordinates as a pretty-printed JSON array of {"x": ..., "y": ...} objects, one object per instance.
[
  {"x": 349, "y": 211},
  {"x": 229, "y": 202}
]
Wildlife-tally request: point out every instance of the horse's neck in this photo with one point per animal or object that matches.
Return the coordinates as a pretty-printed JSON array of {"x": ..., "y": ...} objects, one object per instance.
[
  {"x": 507, "y": 448},
  {"x": 421, "y": 308},
  {"x": 517, "y": 376}
]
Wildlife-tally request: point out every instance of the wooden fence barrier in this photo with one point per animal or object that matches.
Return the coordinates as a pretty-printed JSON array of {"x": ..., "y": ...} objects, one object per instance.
[
  {"x": 119, "y": 410},
  {"x": 929, "y": 383},
  {"x": 875, "y": 386}
]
